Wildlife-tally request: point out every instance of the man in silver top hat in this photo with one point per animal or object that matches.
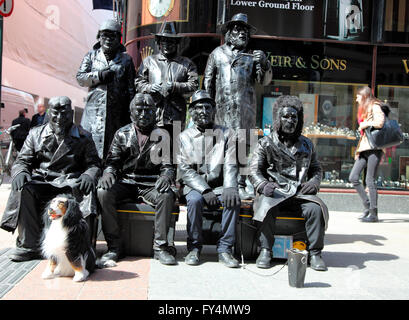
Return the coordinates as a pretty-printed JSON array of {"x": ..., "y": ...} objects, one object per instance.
[
  {"x": 169, "y": 78},
  {"x": 109, "y": 73},
  {"x": 230, "y": 76}
]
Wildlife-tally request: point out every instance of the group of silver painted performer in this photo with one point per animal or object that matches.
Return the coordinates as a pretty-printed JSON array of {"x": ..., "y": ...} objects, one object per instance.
[{"x": 130, "y": 115}]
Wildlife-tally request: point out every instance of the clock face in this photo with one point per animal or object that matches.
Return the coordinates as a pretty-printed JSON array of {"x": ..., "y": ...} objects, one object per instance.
[{"x": 159, "y": 8}]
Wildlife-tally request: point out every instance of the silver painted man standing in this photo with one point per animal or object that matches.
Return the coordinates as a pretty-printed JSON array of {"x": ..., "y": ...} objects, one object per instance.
[
  {"x": 168, "y": 77},
  {"x": 230, "y": 76},
  {"x": 109, "y": 73}
]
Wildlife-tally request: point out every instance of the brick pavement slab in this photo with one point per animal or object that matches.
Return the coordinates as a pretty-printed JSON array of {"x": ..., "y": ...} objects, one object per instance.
[
  {"x": 127, "y": 281},
  {"x": 11, "y": 273}
]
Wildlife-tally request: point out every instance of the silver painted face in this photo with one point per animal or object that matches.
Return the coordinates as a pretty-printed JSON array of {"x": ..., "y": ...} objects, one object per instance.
[
  {"x": 289, "y": 120},
  {"x": 60, "y": 118},
  {"x": 109, "y": 41},
  {"x": 239, "y": 36},
  {"x": 143, "y": 116},
  {"x": 168, "y": 46},
  {"x": 202, "y": 114}
]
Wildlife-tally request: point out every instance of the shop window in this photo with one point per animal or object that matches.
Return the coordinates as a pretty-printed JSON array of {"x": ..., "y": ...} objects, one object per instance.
[
  {"x": 330, "y": 122},
  {"x": 394, "y": 170}
]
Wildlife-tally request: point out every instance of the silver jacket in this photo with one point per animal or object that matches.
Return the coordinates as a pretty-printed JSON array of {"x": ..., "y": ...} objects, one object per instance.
[
  {"x": 58, "y": 165},
  {"x": 287, "y": 167},
  {"x": 134, "y": 165},
  {"x": 181, "y": 71},
  {"x": 206, "y": 161}
]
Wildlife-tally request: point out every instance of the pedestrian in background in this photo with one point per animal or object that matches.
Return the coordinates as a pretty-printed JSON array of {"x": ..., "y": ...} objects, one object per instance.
[
  {"x": 40, "y": 117},
  {"x": 19, "y": 134},
  {"x": 369, "y": 114}
]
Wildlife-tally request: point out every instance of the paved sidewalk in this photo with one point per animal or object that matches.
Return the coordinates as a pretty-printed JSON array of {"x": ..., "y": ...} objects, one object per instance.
[
  {"x": 11, "y": 272},
  {"x": 365, "y": 261}
]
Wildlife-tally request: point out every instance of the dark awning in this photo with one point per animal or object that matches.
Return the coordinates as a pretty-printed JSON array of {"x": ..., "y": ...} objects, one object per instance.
[{"x": 102, "y": 4}]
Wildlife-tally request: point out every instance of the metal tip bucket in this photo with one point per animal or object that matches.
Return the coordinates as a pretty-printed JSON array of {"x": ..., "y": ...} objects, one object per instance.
[{"x": 297, "y": 266}]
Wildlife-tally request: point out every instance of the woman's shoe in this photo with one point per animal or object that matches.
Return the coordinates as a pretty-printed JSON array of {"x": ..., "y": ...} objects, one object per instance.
[
  {"x": 372, "y": 216},
  {"x": 364, "y": 215}
]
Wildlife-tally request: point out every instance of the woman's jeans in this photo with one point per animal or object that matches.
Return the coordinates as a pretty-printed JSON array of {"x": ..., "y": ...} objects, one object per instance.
[{"x": 369, "y": 159}]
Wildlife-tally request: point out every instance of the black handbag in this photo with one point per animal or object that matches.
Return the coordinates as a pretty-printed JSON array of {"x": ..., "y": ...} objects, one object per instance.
[{"x": 388, "y": 136}]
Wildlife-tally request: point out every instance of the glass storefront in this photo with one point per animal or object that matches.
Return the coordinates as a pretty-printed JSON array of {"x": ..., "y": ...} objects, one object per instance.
[
  {"x": 330, "y": 122},
  {"x": 324, "y": 64},
  {"x": 394, "y": 170},
  {"x": 392, "y": 86}
]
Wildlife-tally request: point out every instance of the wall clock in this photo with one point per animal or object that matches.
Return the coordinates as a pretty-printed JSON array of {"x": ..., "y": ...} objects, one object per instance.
[{"x": 160, "y": 8}]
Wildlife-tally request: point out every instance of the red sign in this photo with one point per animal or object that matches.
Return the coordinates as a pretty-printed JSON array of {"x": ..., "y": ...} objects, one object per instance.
[{"x": 6, "y": 7}]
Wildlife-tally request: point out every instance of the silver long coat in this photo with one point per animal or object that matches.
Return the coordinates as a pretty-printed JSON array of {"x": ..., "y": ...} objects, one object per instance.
[
  {"x": 230, "y": 80},
  {"x": 107, "y": 106},
  {"x": 289, "y": 168}
]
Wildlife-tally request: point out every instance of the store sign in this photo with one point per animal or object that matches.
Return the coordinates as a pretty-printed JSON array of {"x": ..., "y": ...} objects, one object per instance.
[
  {"x": 288, "y": 5},
  {"x": 344, "y": 20},
  {"x": 317, "y": 61},
  {"x": 314, "y": 62},
  {"x": 145, "y": 17},
  {"x": 392, "y": 67},
  {"x": 405, "y": 65}
]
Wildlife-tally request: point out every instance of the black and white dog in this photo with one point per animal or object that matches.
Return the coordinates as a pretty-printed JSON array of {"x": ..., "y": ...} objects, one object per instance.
[{"x": 66, "y": 240}]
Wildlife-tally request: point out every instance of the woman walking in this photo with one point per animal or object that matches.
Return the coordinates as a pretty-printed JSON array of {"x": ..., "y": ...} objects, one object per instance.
[{"x": 369, "y": 114}]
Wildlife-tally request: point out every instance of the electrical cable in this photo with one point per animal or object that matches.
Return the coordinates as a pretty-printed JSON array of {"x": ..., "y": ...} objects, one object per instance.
[{"x": 243, "y": 265}]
